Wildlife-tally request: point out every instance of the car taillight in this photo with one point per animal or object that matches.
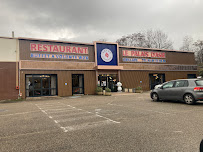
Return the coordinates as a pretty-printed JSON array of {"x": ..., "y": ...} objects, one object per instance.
[{"x": 198, "y": 89}]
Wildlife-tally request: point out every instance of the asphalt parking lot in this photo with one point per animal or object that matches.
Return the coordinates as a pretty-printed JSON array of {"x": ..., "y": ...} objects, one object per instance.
[{"x": 101, "y": 123}]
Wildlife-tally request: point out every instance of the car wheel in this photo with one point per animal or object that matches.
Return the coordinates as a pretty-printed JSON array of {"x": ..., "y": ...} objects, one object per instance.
[
  {"x": 189, "y": 99},
  {"x": 155, "y": 97}
]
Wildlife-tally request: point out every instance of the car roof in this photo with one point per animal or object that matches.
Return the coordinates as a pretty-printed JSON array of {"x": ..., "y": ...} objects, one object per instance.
[{"x": 189, "y": 79}]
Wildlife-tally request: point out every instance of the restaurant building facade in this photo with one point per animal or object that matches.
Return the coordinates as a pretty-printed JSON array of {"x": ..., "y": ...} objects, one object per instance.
[{"x": 50, "y": 68}]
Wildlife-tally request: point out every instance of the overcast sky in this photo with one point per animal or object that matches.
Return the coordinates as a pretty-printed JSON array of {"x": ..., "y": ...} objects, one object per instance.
[{"x": 91, "y": 20}]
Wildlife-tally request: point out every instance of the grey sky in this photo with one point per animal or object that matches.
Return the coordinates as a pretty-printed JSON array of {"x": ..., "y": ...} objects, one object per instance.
[{"x": 91, "y": 20}]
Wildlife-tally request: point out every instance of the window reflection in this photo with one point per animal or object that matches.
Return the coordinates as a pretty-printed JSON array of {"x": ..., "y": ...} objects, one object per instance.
[{"x": 41, "y": 85}]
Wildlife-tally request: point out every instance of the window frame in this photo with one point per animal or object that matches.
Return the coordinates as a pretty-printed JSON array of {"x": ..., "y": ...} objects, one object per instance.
[{"x": 41, "y": 89}]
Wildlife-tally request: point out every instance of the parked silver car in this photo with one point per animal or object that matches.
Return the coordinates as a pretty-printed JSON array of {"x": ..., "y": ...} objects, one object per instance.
[{"x": 187, "y": 90}]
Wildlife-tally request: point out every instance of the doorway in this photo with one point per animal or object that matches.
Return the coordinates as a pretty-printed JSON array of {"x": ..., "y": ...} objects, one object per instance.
[
  {"x": 77, "y": 83},
  {"x": 108, "y": 81},
  {"x": 191, "y": 76},
  {"x": 155, "y": 79},
  {"x": 41, "y": 85}
]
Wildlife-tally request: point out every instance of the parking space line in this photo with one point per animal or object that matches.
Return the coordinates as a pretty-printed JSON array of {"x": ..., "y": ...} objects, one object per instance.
[
  {"x": 99, "y": 116},
  {"x": 61, "y": 111},
  {"x": 107, "y": 118},
  {"x": 76, "y": 118},
  {"x": 56, "y": 109},
  {"x": 53, "y": 107},
  {"x": 86, "y": 125},
  {"x": 73, "y": 114},
  {"x": 70, "y": 114}
]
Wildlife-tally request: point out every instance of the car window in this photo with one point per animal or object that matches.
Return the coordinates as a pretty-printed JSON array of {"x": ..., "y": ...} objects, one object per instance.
[
  {"x": 199, "y": 82},
  {"x": 181, "y": 83},
  {"x": 168, "y": 85}
]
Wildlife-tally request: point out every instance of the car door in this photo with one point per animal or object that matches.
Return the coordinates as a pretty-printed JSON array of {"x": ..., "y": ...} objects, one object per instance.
[
  {"x": 179, "y": 89},
  {"x": 165, "y": 92}
]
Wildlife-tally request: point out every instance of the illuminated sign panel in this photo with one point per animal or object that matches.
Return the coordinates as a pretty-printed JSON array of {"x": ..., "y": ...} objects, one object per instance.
[
  {"x": 58, "y": 48},
  {"x": 151, "y": 54}
]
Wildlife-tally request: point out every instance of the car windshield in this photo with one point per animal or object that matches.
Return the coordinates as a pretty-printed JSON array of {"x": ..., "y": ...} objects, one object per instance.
[{"x": 199, "y": 82}]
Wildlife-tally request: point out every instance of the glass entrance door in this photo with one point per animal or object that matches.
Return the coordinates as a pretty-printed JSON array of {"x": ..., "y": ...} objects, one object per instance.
[
  {"x": 77, "y": 84},
  {"x": 109, "y": 81},
  {"x": 41, "y": 85},
  {"x": 155, "y": 79}
]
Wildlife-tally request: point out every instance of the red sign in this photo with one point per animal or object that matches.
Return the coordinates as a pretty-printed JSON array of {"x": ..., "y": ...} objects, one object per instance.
[
  {"x": 58, "y": 48},
  {"x": 150, "y": 54}
]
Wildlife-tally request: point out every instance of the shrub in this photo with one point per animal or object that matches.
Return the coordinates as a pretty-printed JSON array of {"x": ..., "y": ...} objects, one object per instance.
[
  {"x": 139, "y": 88},
  {"x": 107, "y": 90},
  {"x": 99, "y": 89}
]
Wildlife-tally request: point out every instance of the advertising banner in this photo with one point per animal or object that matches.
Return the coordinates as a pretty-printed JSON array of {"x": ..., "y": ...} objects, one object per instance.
[{"x": 150, "y": 54}]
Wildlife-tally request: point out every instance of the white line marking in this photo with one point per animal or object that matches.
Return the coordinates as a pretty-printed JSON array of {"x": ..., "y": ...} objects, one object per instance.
[
  {"x": 63, "y": 129},
  {"x": 107, "y": 118},
  {"x": 87, "y": 125},
  {"x": 44, "y": 112},
  {"x": 56, "y": 109},
  {"x": 61, "y": 111},
  {"x": 100, "y": 115},
  {"x": 74, "y": 117},
  {"x": 77, "y": 118},
  {"x": 70, "y": 114},
  {"x": 54, "y": 120}
]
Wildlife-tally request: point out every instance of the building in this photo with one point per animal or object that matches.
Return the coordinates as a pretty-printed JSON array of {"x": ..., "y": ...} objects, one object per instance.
[
  {"x": 9, "y": 60},
  {"x": 40, "y": 67}
]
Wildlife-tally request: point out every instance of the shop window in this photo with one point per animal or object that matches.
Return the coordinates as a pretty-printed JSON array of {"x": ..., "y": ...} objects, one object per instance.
[{"x": 41, "y": 85}]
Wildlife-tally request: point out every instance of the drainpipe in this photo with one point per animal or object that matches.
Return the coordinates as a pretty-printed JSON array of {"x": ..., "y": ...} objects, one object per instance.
[{"x": 17, "y": 65}]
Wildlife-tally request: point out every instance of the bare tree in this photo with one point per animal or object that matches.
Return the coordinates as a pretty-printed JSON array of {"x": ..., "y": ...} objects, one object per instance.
[
  {"x": 158, "y": 39},
  {"x": 199, "y": 51},
  {"x": 135, "y": 39},
  {"x": 188, "y": 44},
  {"x": 150, "y": 39}
]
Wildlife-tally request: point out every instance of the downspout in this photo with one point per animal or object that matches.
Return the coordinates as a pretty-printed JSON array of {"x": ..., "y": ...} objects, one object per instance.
[{"x": 17, "y": 67}]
